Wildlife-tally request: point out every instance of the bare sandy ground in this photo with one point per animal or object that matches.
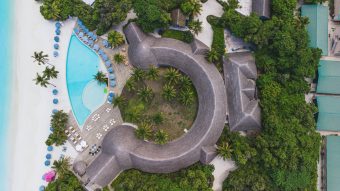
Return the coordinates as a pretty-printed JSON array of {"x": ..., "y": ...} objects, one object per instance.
[{"x": 32, "y": 105}]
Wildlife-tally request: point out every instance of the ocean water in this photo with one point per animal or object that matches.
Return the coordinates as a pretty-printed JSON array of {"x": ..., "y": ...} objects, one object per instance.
[
  {"x": 5, "y": 78},
  {"x": 84, "y": 93}
]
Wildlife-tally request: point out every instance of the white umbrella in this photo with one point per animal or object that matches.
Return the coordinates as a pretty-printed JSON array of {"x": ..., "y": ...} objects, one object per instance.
[
  {"x": 83, "y": 143},
  {"x": 79, "y": 148}
]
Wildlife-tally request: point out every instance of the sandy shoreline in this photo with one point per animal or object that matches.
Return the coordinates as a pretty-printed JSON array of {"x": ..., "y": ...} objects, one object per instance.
[{"x": 32, "y": 105}]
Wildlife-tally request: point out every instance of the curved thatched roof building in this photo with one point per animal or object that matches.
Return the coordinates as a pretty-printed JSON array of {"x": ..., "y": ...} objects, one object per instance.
[{"x": 122, "y": 150}]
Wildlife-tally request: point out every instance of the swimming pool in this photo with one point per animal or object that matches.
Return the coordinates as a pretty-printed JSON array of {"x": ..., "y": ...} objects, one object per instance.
[
  {"x": 85, "y": 94},
  {"x": 5, "y": 76}
]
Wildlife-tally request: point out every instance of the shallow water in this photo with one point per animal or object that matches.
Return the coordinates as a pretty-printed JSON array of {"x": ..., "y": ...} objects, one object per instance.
[{"x": 5, "y": 75}]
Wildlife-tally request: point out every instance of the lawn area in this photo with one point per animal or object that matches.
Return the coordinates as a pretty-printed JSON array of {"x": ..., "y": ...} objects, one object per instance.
[
  {"x": 167, "y": 102},
  {"x": 184, "y": 36}
]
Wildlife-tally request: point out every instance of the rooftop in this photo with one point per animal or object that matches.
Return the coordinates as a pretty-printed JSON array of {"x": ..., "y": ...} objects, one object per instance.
[
  {"x": 329, "y": 77},
  {"x": 329, "y": 113},
  {"x": 333, "y": 158},
  {"x": 318, "y": 26}
]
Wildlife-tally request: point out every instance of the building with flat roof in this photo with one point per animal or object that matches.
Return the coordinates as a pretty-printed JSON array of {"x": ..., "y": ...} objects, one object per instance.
[
  {"x": 328, "y": 77},
  {"x": 318, "y": 26},
  {"x": 329, "y": 113},
  {"x": 332, "y": 163}
]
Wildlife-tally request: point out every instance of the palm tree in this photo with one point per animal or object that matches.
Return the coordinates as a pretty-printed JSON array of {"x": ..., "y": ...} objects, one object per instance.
[
  {"x": 115, "y": 38},
  {"x": 100, "y": 77},
  {"x": 130, "y": 85},
  {"x": 195, "y": 26},
  {"x": 161, "y": 137},
  {"x": 158, "y": 118},
  {"x": 186, "y": 96},
  {"x": 153, "y": 73},
  {"x": 119, "y": 58},
  {"x": 185, "y": 82},
  {"x": 212, "y": 56},
  {"x": 50, "y": 73},
  {"x": 61, "y": 166},
  {"x": 196, "y": 7},
  {"x": 40, "y": 57},
  {"x": 225, "y": 151},
  {"x": 143, "y": 131},
  {"x": 138, "y": 74},
  {"x": 41, "y": 80},
  {"x": 172, "y": 76},
  {"x": 119, "y": 101},
  {"x": 169, "y": 92},
  {"x": 145, "y": 94}
]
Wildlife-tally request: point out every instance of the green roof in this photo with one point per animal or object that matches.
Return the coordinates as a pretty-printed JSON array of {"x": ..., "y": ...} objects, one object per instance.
[
  {"x": 329, "y": 113},
  {"x": 333, "y": 167},
  {"x": 318, "y": 26},
  {"x": 329, "y": 77}
]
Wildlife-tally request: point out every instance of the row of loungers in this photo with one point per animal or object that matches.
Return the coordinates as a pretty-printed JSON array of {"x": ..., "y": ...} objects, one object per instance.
[{"x": 89, "y": 38}]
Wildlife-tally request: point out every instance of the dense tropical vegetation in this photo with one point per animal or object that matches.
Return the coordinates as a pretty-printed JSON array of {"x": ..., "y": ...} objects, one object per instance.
[
  {"x": 197, "y": 177},
  {"x": 66, "y": 180},
  {"x": 162, "y": 102},
  {"x": 115, "y": 38},
  {"x": 101, "y": 16},
  {"x": 284, "y": 155},
  {"x": 58, "y": 123}
]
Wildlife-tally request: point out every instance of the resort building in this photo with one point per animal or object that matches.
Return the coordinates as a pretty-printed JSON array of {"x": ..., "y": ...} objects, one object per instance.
[
  {"x": 178, "y": 19},
  {"x": 336, "y": 17},
  {"x": 331, "y": 168},
  {"x": 262, "y": 8},
  {"x": 240, "y": 74},
  {"x": 318, "y": 25},
  {"x": 121, "y": 149},
  {"x": 328, "y": 77}
]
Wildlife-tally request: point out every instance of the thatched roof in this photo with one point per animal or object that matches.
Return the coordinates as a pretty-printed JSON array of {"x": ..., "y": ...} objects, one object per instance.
[
  {"x": 240, "y": 74},
  {"x": 262, "y": 8},
  {"x": 122, "y": 150},
  {"x": 80, "y": 168}
]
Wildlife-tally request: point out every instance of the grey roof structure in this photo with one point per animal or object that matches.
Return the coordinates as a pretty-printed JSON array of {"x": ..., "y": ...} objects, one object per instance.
[
  {"x": 240, "y": 74},
  {"x": 80, "y": 168},
  {"x": 121, "y": 150},
  {"x": 262, "y": 8}
]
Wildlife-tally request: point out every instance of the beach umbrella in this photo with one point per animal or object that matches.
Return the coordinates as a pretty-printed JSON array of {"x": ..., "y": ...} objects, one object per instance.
[
  {"x": 50, "y": 148},
  {"x": 56, "y": 39},
  {"x": 100, "y": 52},
  {"x": 112, "y": 76},
  {"x": 48, "y": 156},
  {"x": 79, "y": 148},
  {"x": 57, "y": 31},
  {"x": 76, "y": 30},
  {"x": 96, "y": 47},
  {"x": 86, "y": 39},
  {"x": 58, "y": 24},
  {"x": 83, "y": 143},
  {"x": 113, "y": 83},
  {"x": 81, "y": 34},
  {"x": 54, "y": 111},
  {"x": 105, "y": 58},
  {"x": 79, "y": 22},
  {"x": 50, "y": 176},
  {"x": 55, "y": 91},
  {"x": 47, "y": 163},
  {"x": 108, "y": 63},
  {"x": 110, "y": 99},
  {"x": 86, "y": 30},
  {"x": 90, "y": 34},
  {"x": 111, "y": 94},
  {"x": 51, "y": 129},
  {"x": 55, "y": 101},
  {"x": 110, "y": 70},
  {"x": 91, "y": 42},
  {"x": 56, "y": 46},
  {"x": 94, "y": 37},
  {"x": 55, "y": 54},
  {"x": 42, "y": 188}
]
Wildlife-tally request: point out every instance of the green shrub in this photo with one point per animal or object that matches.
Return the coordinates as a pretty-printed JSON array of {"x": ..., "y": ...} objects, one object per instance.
[{"x": 185, "y": 36}]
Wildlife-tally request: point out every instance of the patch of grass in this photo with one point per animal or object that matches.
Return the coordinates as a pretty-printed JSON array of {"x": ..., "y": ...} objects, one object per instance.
[
  {"x": 170, "y": 116},
  {"x": 185, "y": 36}
]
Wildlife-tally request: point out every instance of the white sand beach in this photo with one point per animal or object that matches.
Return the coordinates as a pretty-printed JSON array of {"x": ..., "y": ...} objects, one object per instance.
[{"x": 32, "y": 104}]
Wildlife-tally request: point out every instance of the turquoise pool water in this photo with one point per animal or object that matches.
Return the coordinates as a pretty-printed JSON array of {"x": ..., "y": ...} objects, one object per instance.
[
  {"x": 5, "y": 76},
  {"x": 85, "y": 94}
]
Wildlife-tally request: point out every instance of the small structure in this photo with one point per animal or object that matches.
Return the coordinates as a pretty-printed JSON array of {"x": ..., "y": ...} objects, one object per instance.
[
  {"x": 178, "y": 19},
  {"x": 328, "y": 77},
  {"x": 80, "y": 168},
  {"x": 318, "y": 26},
  {"x": 335, "y": 42},
  {"x": 262, "y": 8},
  {"x": 240, "y": 74},
  {"x": 336, "y": 15},
  {"x": 329, "y": 113}
]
